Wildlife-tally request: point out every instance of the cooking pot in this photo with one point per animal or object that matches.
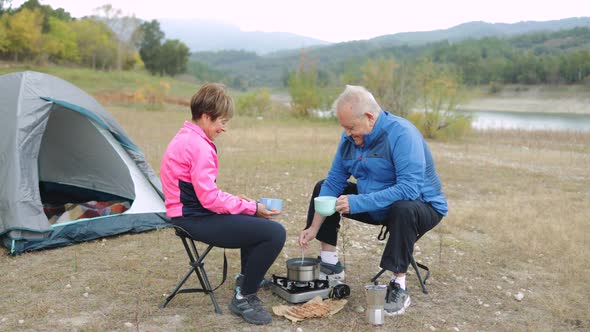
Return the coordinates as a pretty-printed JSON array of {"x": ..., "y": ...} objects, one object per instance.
[{"x": 306, "y": 269}]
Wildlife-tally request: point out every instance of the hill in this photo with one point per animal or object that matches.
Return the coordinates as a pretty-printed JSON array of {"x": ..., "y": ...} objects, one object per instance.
[
  {"x": 475, "y": 38},
  {"x": 204, "y": 35},
  {"x": 479, "y": 29}
]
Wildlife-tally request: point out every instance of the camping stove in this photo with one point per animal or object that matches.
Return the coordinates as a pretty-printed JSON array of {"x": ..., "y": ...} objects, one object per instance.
[
  {"x": 303, "y": 291},
  {"x": 299, "y": 291}
]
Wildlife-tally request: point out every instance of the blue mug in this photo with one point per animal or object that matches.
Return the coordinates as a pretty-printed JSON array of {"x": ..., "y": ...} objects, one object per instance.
[{"x": 272, "y": 203}]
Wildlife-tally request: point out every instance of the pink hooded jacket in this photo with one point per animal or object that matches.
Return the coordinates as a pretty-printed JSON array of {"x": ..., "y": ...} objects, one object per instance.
[{"x": 188, "y": 172}]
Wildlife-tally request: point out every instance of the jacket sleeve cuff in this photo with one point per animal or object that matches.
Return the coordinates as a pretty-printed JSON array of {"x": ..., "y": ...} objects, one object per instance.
[{"x": 353, "y": 204}]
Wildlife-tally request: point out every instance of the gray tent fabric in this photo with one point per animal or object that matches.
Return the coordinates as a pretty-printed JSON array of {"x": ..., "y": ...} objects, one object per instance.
[{"x": 54, "y": 135}]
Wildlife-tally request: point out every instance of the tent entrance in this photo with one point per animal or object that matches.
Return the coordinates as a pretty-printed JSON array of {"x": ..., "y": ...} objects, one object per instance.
[
  {"x": 75, "y": 152},
  {"x": 81, "y": 174}
]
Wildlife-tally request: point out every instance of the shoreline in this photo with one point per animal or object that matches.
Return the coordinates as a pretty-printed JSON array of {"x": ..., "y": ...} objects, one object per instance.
[
  {"x": 553, "y": 106},
  {"x": 534, "y": 99}
]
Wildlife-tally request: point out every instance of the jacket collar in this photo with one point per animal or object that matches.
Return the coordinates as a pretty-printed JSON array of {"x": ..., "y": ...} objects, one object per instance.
[
  {"x": 370, "y": 137},
  {"x": 198, "y": 130}
]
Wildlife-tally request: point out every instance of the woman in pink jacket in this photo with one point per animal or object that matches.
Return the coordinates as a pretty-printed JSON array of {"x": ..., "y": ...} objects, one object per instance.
[{"x": 188, "y": 172}]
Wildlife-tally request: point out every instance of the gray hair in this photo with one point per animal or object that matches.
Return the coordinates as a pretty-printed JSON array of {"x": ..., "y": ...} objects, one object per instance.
[{"x": 359, "y": 98}]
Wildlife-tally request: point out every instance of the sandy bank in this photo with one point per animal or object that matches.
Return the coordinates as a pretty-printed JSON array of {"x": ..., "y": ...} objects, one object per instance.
[{"x": 545, "y": 99}]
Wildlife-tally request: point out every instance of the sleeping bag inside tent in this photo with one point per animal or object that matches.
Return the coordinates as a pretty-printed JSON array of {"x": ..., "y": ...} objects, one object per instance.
[{"x": 68, "y": 172}]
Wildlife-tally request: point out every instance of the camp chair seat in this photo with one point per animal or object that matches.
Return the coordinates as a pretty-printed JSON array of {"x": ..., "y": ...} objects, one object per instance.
[{"x": 197, "y": 266}]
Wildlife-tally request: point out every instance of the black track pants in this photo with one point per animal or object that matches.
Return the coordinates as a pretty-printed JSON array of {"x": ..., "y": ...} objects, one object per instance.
[{"x": 406, "y": 222}]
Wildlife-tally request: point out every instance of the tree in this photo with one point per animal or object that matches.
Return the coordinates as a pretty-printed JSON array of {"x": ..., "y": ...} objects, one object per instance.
[
  {"x": 4, "y": 6},
  {"x": 150, "y": 45},
  {"x": 256, "y": 103},
  {"x": 167, "y": 58},
  {"x": 47, "y": 12},
  {"x": 124, "y": 28},
  {"x": 205, "y": 73},
  {"x": 173, "y": 57},
  {"x": 378, "y": 78},
  {"x": 303, "y": 87},
  {"x": 95, "y": 42},
  {"x": 441, "y": 92},
  {"x": 350, "y": 73},
  {"x": 391, "y": 83},
  {"x": 575, "y": 66},
  {"x": 405, "y": 94},
  {"x": 59, "y": 43},
  {"x": 4, "y": 44},
  {"x": 23, "y": 33}
]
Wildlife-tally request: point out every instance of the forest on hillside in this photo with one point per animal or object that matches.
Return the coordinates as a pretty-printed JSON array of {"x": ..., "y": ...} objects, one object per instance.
[
  {"x": 561, "y": 57},
  {"x": 107, "y": 40},
  {"x": 40, "y": 34}
]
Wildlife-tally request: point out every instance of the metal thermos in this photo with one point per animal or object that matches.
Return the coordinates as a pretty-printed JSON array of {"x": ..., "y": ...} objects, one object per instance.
[{"x": 375, "y": 302}]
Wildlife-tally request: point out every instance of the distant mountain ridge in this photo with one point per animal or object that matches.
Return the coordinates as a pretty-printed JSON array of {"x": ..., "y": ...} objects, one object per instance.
[
  {"x": 479, "y": 29},
  {"x": 204, "y": 35},
  {"x": 270, "y": 69}
]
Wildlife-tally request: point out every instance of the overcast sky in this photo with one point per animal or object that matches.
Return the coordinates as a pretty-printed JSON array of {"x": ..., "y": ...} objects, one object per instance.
[{"x": 338, "y": 20}]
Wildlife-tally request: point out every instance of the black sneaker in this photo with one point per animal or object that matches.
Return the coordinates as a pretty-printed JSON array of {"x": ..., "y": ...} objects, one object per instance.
[
  {"x": 251, "y": 309},
  {"x": 332, "y": 271},
  {"x": 396, "y": 299},
  {"x": 264, "y": 284}
]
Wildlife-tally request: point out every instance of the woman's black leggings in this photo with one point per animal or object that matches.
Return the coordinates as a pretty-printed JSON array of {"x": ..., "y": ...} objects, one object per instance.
[{"x": 260, "y": 240}]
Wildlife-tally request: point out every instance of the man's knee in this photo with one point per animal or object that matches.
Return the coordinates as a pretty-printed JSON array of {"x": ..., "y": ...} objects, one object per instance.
[{"x": 402, "y": 210}]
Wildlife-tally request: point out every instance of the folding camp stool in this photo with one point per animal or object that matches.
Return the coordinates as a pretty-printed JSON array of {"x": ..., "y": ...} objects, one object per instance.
[
  {"x": 416, "y": 266},
  {"x": 197, "y": 265}
]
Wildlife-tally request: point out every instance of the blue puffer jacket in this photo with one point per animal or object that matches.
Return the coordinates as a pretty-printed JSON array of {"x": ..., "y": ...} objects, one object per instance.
[{"x": 394, "y": 164}]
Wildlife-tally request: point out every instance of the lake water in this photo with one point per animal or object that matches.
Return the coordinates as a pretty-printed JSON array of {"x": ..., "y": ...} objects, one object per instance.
[
  {"x": 516, "y": 120},
  {"x": 530, "y": 121}
]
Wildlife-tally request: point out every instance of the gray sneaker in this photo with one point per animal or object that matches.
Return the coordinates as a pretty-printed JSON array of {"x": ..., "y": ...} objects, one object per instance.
[
  {"x": 396, "y": 299},
  {"x": 332, "y": 271},
  {"x": 251, "y": 309},
  {"x": 264, "y": 284}
]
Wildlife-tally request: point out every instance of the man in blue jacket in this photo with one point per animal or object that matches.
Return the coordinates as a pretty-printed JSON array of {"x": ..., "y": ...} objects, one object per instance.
[{"x": 396, "y": 186}]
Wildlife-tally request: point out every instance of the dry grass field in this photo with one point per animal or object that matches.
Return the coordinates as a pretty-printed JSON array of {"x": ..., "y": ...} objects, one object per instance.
[{"x": 518, "y": 224}]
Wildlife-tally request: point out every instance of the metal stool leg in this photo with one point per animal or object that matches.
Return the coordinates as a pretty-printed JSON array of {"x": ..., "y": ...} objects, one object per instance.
[
  {"x": 204, "y": 280},
  {"x": 416, "y": 267},
  {"x": 422, "y": 282},
  {"x": 377, "y": 275},
  {"x": 175, "y": 291},
  {"x": 198, "y": 267}
]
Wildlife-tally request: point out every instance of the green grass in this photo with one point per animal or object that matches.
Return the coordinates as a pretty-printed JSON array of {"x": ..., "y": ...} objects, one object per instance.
[{"x": 93, "y": 81}]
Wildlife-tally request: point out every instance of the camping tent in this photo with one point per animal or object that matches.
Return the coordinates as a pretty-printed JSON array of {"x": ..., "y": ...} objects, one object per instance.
[{"x": 68, "y": 171}]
